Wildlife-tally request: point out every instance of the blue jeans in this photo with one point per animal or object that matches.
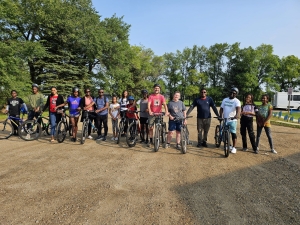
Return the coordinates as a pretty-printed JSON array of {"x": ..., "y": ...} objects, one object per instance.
[{"x": 53, "y": 122}]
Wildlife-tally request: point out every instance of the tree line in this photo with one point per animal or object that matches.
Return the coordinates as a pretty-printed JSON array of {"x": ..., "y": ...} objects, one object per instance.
[{"x": 66, "y": 43}]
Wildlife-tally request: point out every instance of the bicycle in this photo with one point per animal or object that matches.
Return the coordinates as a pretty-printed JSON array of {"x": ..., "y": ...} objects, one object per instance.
[
  {"x": 122, "y": 124},
  {"x": 160, "y": 130},
  {"x": 184, "y": 134},
  {"x": 132, "y": 131},
  {"x": 6, "y": 128},
  {"x": 222, "y": 133},
  {"x": 85, "y": 125},
  {"x": 46, "y": 127},
  {"x": 31, "y": 129},
  {"x": 63, "y": 127}
]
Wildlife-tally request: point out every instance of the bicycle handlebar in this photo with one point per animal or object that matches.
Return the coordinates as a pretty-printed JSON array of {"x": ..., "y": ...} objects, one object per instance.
[
  {"x": 159, "y": 114},
  {"x": 220, "y": 118},
  {"x": 182, "y": 118}
]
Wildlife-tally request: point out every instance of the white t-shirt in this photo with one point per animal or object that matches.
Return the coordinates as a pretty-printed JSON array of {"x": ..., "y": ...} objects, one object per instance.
[
  {"x": 114, "y": 109},
  {"x": 229, "y": 107},
  {"x": 123, "y": 102}
]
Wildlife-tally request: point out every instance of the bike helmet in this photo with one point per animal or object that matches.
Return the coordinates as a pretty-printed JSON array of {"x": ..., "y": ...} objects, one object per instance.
[
  {"x": 235, "y": 89},
  {"x": 34, "y": 85},
  {"x": 75, "y": 89},
  {"x": 156, "y": 85},
  {"x": 130, "y": 98},
  {"x": 144, "y": 92}
]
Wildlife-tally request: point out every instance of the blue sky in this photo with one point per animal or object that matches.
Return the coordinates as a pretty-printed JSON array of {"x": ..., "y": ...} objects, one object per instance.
[{"x": 170, "y": 25}]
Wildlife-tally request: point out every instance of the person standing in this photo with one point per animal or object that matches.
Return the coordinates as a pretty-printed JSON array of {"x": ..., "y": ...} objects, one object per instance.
[
  {"x": 249, "y": 110},
  {"x": 74, "y": 110},
  {"x": 263, "y": 121},
  {"x": 86, "y": 103},
  {"x": 101, "y": 103},
  {"x": 52, "y": 102},
  {"x": 155, "y": 103},
  {"x": 144, "y": 117},
  {"x": 176, "y": 109},
  {"x": 203, "y": 104},
  {"x": 231, "y": 108},
  {"x": 13, "y": 107},
  {"x": 114, "y": 112},
  {"x": 36, "y": 103},
  {"x": 123, "y": 103}
]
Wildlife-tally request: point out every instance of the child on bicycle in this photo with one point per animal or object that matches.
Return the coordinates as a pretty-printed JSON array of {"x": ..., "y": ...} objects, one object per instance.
[
  {"x": 248, "y": 110},
  {"x": 131, "y": 113},
  {"x": 263, "y": 121},
  {"x": 114, "y": 112}
]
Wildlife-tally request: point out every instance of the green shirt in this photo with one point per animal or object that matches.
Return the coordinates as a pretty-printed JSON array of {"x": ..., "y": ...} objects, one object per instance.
[{"x": 35, "y": 100}]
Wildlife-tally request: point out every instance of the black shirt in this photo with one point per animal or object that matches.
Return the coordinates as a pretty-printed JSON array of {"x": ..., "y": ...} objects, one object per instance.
[{"x": 14, "y": 105}]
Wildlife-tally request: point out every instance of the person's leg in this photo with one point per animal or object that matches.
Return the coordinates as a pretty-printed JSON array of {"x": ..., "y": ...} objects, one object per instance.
[
  {"x": 151, "y": 127},
  {"x": 206, "y": 126},
  {"x": 269, "y": 136},
  {"x": 259, "y": 130},
  {"x": 90, "y": 124},
  {"x": 15, "y": 124},
  {"x": 53, "y": 124},
  {"x": 172, "y": 127},
  {"x": 251, "y": 134},
  {"x": 113, "y": 126},
  {"x": 200, "y": 130},
  {"x": 244, "y": 132},
  {"x": 104, "y": 121}
]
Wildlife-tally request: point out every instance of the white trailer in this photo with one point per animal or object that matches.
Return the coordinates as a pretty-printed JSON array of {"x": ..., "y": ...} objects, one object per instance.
[{"x": 281, "y": 100}]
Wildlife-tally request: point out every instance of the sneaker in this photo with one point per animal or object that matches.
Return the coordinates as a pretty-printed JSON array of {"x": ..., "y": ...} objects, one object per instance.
[
  {"x": 178, "y": 146},
  {"x": 230, "y": 147},
  {"x": 112, "y": 138},
  {"x": 146, "y": 142},
  {"x": 103, "y": 138},
  {"x": 274, "y": 151},
  {"x": 198, "y": 145},
  {"x": 167, "y": 145},
  {"x": 233, "y": 150},
  {"x": 90, "y": 137},
  {"x": 73, "y": 139},
  {"x": 116, "y": 138},
  {"x": 204, "y": 144},
  {"x": 245, "y": 149},
  {"x": 149, "y": 144},
  {"x": 99, "y": 137},
  {"x": 256, "y": 151}
]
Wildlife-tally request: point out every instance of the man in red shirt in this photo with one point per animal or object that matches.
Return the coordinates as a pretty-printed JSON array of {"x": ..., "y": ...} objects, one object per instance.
[{"x": 155, "y": 103}]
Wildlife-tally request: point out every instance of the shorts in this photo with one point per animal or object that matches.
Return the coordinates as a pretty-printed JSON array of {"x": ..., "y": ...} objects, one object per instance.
[
  {"x": 74, "y": 115},
  {"x": 232, "y": 126},
  {"x": 174, "y": 125},
  {"x": 144, "y": 120},
  {"x": 151, "y": 120}
]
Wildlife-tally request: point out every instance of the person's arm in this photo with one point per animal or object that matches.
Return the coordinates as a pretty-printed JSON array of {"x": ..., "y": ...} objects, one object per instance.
[
  {"x": 41, "y": 103},
  {"x": 90, "y": 105},
  {"x": 238, "y": 112},
  {"x": 45, "y": 106},
  {"x": 269, "y": 114},
  {"x": 61, "y": 105},
  {"x": 213, "y": 106},
  {"x": 149, "y": 107},
  {"x": 109, "y": 111},
  {"x": 25, "y": 107},
  {"x": 166, "y": 108},
  {"x": 191, "y": 107},
  {"x": 221, "y": 112}
]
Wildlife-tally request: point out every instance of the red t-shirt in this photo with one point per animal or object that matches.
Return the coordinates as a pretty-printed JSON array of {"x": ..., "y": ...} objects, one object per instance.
[
  {"x": 129, "y": 114},
  {"x": 52, "y": 106},
  {"x": 156, "y": 102}
]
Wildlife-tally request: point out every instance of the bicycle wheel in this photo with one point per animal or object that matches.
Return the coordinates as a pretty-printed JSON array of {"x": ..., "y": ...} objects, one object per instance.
[
  {"x": 131, "y": 134},
  {"x": 157, "y": 135},
  {"x": 6, "y": 130},
  {"x": 183, "y": 140},
  {"x": 61, "y": 132},
  {"x": 163, "y": 133},
  {"x": 226, "y": 143},
  {"x": 121, "y": 129},
  {"x": 30, "y": 130},
  {"x": 84, "y": 132},
  {"x": 217, "y": 136}
]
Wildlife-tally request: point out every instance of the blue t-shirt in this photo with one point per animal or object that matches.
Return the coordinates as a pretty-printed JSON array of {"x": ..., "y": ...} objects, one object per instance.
[
  {"x": 100, "y": 103},
  {"x": 73, "y": 103},
  {"x": 203, "y": 107}
]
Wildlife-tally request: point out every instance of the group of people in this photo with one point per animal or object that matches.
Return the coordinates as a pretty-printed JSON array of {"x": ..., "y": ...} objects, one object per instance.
[{"x": 149, "y": 104}]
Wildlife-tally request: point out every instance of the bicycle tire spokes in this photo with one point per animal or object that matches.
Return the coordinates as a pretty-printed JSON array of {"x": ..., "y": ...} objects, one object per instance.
[
  {"x": 6, "y": 130},
  {"x": 30, "y": 130}
]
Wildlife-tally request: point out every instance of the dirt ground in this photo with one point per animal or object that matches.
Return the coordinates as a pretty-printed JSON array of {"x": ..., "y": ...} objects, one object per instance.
[{"x": 105, "y": 183}]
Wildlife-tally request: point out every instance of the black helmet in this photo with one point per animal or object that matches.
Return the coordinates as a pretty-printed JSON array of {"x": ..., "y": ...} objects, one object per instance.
[
  {"x": 34, "y": 85},
  {"x": 75, "y": 89},
  {"x": 144, "y": 91},
  {"x": 235, "y": 89},
  {"x": 156, "y": 85}
]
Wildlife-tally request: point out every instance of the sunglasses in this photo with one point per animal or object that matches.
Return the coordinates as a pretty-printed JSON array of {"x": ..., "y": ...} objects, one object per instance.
[
  {"x": 203, "y": 91},
  {"x": 101, "y": 92}
]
